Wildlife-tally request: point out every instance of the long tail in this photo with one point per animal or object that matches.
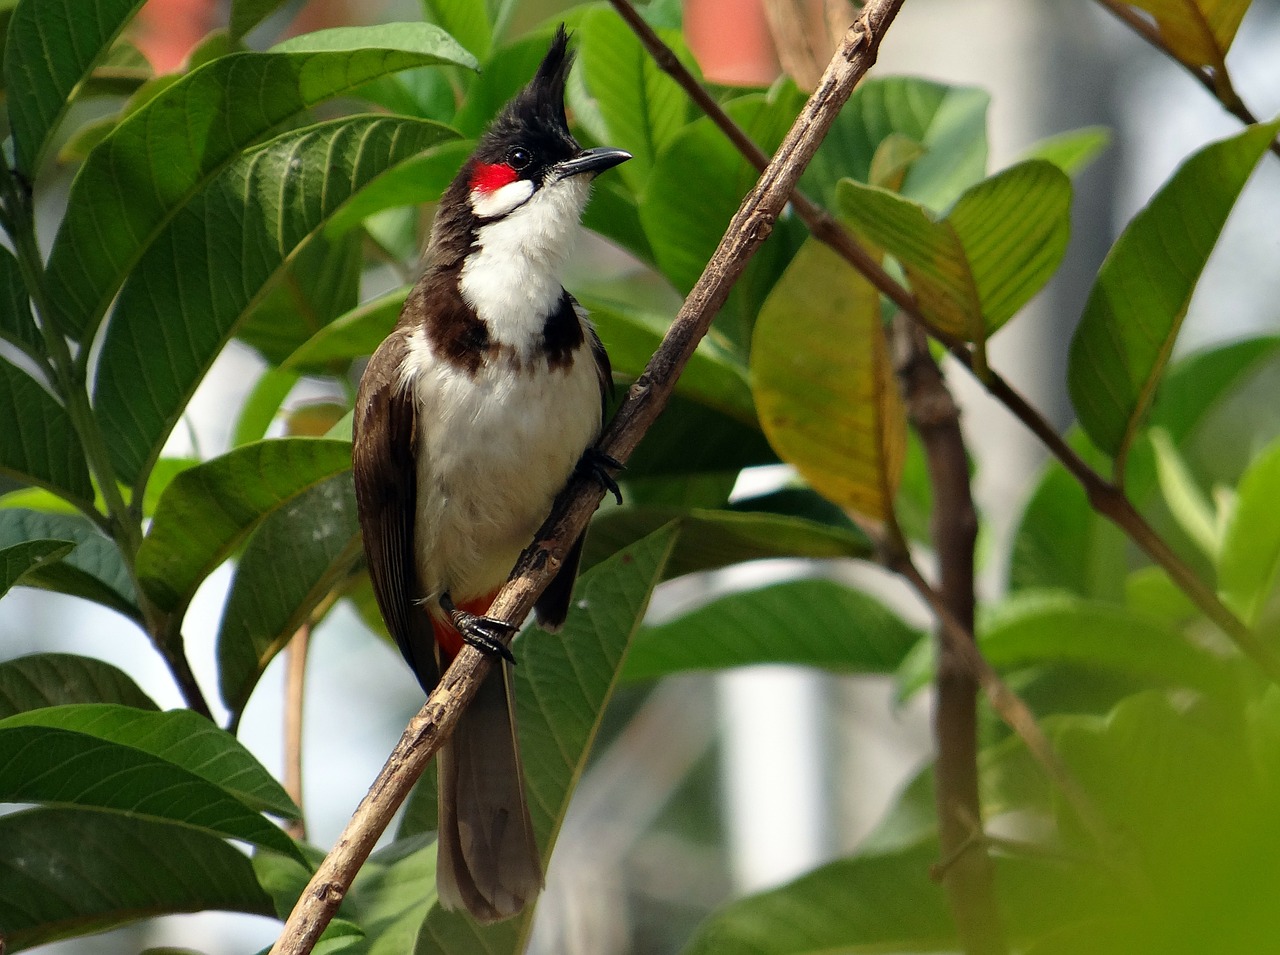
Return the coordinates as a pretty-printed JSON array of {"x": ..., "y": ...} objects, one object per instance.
[{"x": 487, "y": 857}]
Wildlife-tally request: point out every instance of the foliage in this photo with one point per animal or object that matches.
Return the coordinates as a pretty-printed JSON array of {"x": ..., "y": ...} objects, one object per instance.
[{"x": 241, "y": 199}]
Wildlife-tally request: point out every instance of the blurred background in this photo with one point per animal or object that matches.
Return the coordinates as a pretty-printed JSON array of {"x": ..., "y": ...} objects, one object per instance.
[{"x": 680, "y": 811}]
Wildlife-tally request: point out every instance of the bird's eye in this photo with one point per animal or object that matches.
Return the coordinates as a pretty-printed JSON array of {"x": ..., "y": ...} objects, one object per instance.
[{"x": 519, "y": 157}]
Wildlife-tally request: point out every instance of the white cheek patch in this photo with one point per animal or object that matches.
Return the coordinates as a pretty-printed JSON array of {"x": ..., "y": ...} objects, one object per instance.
[{"x": 489, "y": 205}]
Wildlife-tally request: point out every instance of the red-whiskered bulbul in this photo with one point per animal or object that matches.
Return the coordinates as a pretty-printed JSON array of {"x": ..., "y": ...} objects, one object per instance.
[{"x": 470, "y": 417}]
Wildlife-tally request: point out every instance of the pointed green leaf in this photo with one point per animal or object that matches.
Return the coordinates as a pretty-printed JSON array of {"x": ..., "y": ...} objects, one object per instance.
[
  {"x": 1141, "y": 295},
  {"x": 179, "y": 737},
  {"x": 18, "y": 560},
  {"x": 825, "y": 386},
  {"x": 873, "y": 903},
  {"x": 16, "y": 323},
  {"x": 950, "y": 122},
  {"x": 40, "y": 445},
  {"x": 358, "y": 332},
  {"x": 716, "y": 538},
  {"x": 294, "y": 560},
  {"x": 50, "y": 47},
  {"x": 807, "y": 622},
  {"x": 93, "y": 570},
  {"x": 208, "y": 510},
  {"x": 1199, "y": 32},
  {"x": 642, "y": 108},
  {"x": 1250, "y": 563},
  {"x": 54, "y": 765},
  {"x": 179, "y": 306},
  {"x": 53, "y": 679},
  {"x": 1072, "y": 151},
  {"x": 415, "y": 182},
  {"x": 165, "y": 153},
  {"x": 1187, "y": 503},
  {"x": 562, "y": 686},
  {"x": 67, "y": 872}
]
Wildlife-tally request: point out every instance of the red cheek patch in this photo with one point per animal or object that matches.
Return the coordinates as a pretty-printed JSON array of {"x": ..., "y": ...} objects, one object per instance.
[{"x": 486, "y": 178}]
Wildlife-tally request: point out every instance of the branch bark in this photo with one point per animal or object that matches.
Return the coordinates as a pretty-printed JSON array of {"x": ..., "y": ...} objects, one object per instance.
[
  {"x": 644, "y": 402},
  {"x": 969, "y": 879}
]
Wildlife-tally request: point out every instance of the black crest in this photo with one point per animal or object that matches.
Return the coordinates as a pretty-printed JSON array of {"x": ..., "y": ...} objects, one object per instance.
[{"x": 538, "y": 109}]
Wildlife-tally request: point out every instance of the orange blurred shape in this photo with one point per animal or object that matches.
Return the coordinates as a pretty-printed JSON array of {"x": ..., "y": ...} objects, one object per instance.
[
  {"x": 167, "y": 30},
  {"x": 731, "y": 41}
]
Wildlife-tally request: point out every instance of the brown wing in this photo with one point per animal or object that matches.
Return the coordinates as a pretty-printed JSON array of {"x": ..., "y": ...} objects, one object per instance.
[{"x": 383, "y": 465}]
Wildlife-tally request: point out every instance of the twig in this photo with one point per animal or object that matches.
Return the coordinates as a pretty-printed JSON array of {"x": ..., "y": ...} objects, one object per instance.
[
  {"x": 645, "y": 400},
  {"x": 969, "y": 878},
  {"x": 1217, "y": 82},
  {"x": 1106, "y": 498},
  {"x": 295, "y": 655}
]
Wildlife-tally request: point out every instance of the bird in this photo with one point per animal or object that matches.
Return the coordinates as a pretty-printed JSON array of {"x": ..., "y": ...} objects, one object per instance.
[{"x": 477, "y": 409}]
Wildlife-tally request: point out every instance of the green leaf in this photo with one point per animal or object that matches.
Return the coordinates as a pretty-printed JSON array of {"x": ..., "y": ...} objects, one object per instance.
[
  {"x": 685, "y": 225},
  {"x": 1250, "y": 561},
  {"x": 266, "y": 204},
  {"x": 247, "y": 14},
  {"x": 294, "y": 560},
  {"x": 18, "y": 560},
  {"x": 208, "y": 510},
  {"x": 874, "y": 903},
  {"x": 808, "y": 622},
  {"x": 16, "y": 323},
  {"x": 179, "y": 737},
  {"x": 1036, "y": 628},
  {"x": 165, "y": 154},
  {"x": 1182, "y": 495},
  {"x": 50, "y": 48},
  {"x": 49, "y": 764},
  {"x": 562, "y": 686},
  {"x": 94, "y": 570},
  {"x": 470, "y": 22},
  {"x": 358, "y": 332},
  {"x": 505, "y": 73},
  {"x": 260, "y": 408},
  {"x": 1137, "y": 304},
  {"x": 40, "y": 444},
  {"x": 825, "y": 386},
  {"x": 66, "y": 872},
  {"x": 642, "y": 108},
  {"x": 950, "y": 122},
  {"x": 1199, "y": 32},
  {"x": 415, "y": 182},
  {"x": 712, "y": 538},
  {"x": 973, "y": 270},
  {"x": 53, "y": 679},
  {"x": 393, "y": 893},
  {"x": 1072, "y": 151},
  {"x": 693, "y": 440}
]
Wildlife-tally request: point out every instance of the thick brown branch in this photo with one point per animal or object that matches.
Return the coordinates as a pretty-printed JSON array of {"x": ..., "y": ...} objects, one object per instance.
[
  {"x": 969, "y": 878},
  {"x": 646, "y": 399}
]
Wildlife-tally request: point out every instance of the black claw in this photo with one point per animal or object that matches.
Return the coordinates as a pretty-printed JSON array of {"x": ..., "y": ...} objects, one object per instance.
[
  {"x": 596, "y": 465},
  {"x": 484, "y": 633}
]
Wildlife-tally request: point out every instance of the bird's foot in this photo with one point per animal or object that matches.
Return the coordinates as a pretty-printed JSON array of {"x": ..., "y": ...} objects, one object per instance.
[
  {"x": 597, "y": 465},
  {"x": 484, "y": 633}
]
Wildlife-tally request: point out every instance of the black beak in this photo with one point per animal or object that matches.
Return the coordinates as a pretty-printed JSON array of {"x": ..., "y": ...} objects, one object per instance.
[{"x": 593, "y": 161}]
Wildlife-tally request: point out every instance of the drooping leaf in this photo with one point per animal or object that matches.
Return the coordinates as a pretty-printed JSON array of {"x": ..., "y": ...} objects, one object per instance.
[
  {"x": 208, "y": 510},
  {"x": 949, "y": 122},
  {"x": 1137, "y": 304},
  {"x": 824, "y": 384},
  {"x": 1250, "y": 561},
  {"x": 873, "y": 903},
  {"x": 261, "y": 406},
  {"x": 561, "y": 687},
  {"x": 1199, "y": 32},
  {"x": 349, "y": 336},
  {"x": 179, "y": 737},
  {"x": 67, "y": 872},
  {"x": 265, "y": 203},
  {"x": 167, "y": 152},
  {"x": 93, "y": 570},
  {"x": 18, "y": 560},
  {"x": 716, "y": 538},
  {"x": 50, "y": 47},
  {"x": 52, "y": 765},
  {"x": 54, "y": 679},
  {"x": 40, "y": 445},
  {"x": 808, "y": 622},
  {"x": 294, "y": 560}
]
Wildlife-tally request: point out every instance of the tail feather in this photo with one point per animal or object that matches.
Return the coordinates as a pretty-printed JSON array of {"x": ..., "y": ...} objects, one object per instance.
[{"x": 487, "y": 858}]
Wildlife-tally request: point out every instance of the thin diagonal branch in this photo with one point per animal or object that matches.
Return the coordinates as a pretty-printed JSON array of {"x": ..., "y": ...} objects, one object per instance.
[
  {"x": 645, "y": 400},
  {"x": 1105, "y": 497}
]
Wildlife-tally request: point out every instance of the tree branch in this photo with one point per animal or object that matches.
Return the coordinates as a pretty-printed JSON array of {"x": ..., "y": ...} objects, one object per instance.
[
  {"x": 295, "y": 655},
  {"x": 1106, "y": 498},
  {"x": 645, "y": 400},
  {"x": 969, "y": 878}
]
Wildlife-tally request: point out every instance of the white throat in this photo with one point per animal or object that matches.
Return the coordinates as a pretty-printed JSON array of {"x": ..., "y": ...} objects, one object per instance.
[{"x": 513, "y": 277}]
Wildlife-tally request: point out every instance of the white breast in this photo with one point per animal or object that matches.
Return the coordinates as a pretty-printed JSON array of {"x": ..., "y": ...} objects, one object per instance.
[{"x": 493, "y": 451}]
